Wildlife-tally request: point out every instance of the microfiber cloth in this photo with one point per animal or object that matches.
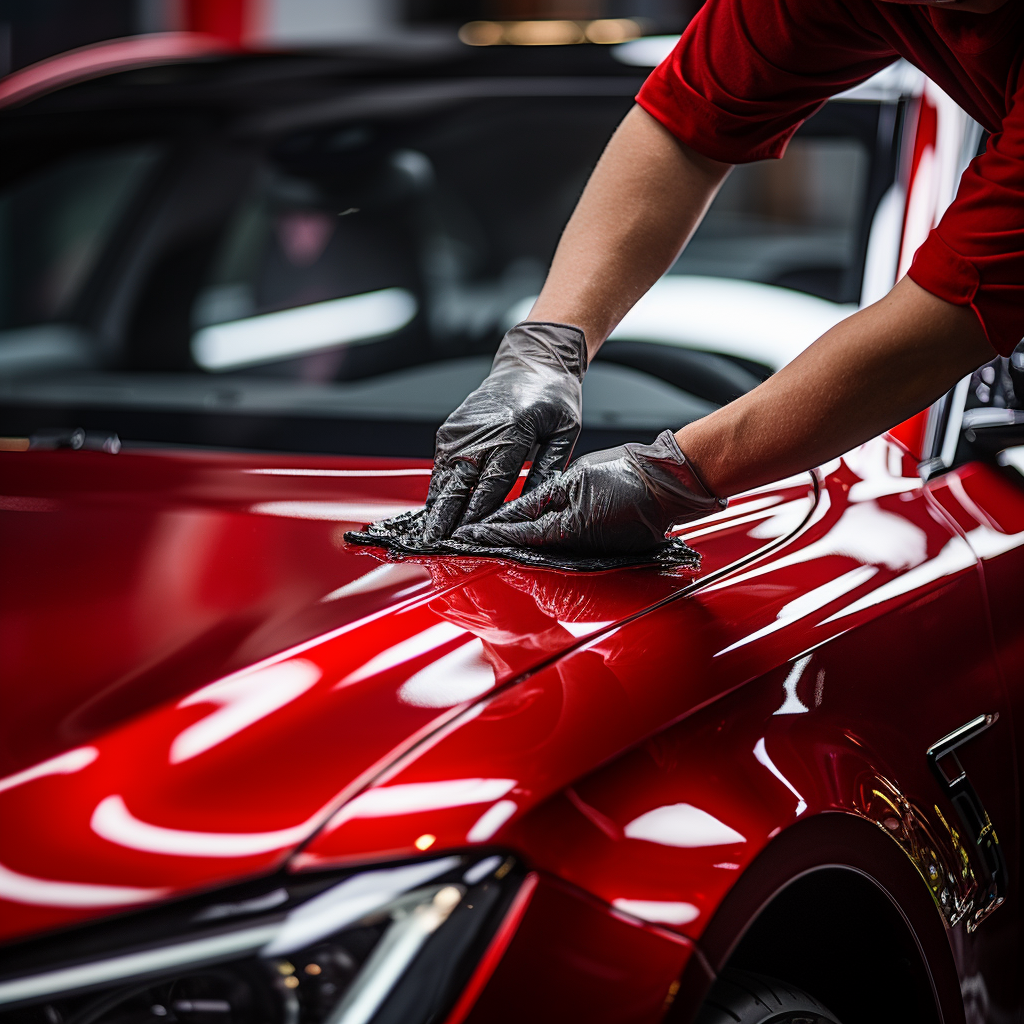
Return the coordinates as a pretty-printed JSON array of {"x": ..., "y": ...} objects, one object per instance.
[{"x": 401, "y": 536}]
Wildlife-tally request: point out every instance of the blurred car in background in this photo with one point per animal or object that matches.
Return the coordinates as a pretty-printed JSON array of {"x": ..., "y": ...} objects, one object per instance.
[
  {"x": 319, "y": 253},
  {"x": 251, "y": 774}
]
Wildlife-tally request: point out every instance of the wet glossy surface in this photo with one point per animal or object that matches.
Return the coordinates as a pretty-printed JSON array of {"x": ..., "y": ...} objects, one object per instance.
[
  {"x": 877, "y": 546},
  {"x": 228, "y": 669}
]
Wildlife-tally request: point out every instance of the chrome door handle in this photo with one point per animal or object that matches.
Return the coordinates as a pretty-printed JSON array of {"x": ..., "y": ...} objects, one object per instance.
[{"x": 964, "y": 797}]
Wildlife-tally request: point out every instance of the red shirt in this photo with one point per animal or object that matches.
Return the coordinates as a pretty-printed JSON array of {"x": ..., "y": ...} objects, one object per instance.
[{"x": 747, "y": 73}]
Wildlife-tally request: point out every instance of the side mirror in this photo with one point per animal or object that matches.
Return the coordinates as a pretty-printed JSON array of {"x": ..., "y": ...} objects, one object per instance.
[
  {"x": 993, "y": 417},
  {"x": 992, "y": 430}
]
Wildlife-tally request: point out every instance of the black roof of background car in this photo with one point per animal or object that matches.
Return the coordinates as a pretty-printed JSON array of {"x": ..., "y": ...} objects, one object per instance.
[{"x": 273, "y": 93}]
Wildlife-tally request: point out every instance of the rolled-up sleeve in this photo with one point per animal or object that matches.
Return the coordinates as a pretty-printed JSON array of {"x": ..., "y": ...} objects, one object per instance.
[
  {"x": 975, "y": 257},
  {"x": 747, "y": 73}
]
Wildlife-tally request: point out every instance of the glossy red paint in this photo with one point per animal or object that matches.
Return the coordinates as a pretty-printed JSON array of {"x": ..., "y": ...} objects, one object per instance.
[
  {"x": 496, "y": 949},
  {"x": 220, "y": 638},
  {"x": 644, "y": 736},
  {"x": 775, "y": 676},
  {"x": 872, "y": 543},
  {"x": 605, "y": 967}
]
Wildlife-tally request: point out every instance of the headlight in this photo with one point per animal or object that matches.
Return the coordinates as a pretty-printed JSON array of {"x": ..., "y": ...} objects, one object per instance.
[{"x": 392, "y": 944}]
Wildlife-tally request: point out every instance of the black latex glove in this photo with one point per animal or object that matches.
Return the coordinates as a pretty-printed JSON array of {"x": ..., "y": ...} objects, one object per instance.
[
  {"x": 619, "y": 501},
  {"x": 531, "y": 396}
]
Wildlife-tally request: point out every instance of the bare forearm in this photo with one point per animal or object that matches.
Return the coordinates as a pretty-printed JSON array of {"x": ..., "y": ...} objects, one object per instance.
[
  {"x": 861, "y": 378},
  {"x": 645, "y": 198}
]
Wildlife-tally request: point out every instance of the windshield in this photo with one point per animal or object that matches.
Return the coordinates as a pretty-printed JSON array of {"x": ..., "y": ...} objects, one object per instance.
[{"x": 342, "y": 286}]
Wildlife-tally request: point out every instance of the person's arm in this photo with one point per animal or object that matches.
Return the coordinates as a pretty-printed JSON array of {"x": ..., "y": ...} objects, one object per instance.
[
  {"x": 642, "y": 203},
  {"x": 644, "y": 200},
  {"x": 867, "y": 374}
]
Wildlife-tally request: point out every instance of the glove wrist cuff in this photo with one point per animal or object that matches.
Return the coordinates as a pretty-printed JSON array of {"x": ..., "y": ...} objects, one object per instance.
[
  {"x": 689, "y": 474},
  {"x": 676, "y": 481},
  {"x": 561, "y": 344}
]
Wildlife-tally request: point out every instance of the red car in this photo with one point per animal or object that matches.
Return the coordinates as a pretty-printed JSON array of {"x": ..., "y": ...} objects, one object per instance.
[{"x": 252, "y": 774}]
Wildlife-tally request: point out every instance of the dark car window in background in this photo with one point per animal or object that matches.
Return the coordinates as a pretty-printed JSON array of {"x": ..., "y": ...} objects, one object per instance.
[
  {"x": 341, "y": 284},
  {"x": 794, "y": 222},
  {"x": 55, "y": 226},
  {"x": 391, "y": 244}
]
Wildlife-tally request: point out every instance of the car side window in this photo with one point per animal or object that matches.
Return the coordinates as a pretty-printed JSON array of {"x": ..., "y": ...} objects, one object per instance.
[
  {"x": 55, "y": 225},
  {"x": 793, "y": 223}
]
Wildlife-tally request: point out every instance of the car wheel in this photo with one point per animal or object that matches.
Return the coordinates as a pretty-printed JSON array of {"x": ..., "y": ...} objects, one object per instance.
[{"x": 739, "y": 997}]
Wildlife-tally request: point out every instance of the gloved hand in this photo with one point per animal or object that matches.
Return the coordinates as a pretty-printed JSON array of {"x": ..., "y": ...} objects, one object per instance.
[
  {"x": 619, "y": 501},
  {"x": 531, "y": 396}
]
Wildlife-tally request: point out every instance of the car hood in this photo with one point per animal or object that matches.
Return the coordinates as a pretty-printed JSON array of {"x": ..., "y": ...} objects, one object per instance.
[{"x": 200, "y": 671}]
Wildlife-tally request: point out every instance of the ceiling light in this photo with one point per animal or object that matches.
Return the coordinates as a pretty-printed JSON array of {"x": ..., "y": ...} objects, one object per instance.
[
  {"x": 549, "y": 32},
  {"x": 612, "y": 30}
]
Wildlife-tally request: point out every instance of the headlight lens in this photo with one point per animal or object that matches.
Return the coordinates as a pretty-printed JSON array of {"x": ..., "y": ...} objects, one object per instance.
[{"x": 393, "y": 944}]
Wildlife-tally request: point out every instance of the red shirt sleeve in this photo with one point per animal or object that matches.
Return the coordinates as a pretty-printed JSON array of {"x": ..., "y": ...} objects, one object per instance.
[
  {"x": 747, "y": 73},
  {"x": 975, "y": 257}
]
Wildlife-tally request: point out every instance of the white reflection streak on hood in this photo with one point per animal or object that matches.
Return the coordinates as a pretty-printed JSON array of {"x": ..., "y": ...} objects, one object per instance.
[
  {"x": 880, "y": 486},
  {"x": 762, "y": 755},
  {"x": 581, "y": 629},
  {"x": 740, "y": 508},
  {"x": 114, "y": 822},
  {"x": 865, "y": 533},
  {"x": 332, "y": 511},
  {"x": 454, "y": 678},
  {"x": 244, "y": 699},
  {"x": 808, "y": 603},
  {"x": 405, "y": 650},
  {"x": 954, "y": 557},
  {"x": 784, "y": 520},
  {"x": 683, "y": 826},
  {"x": 796, "y": 480},
  {"x": 491, "y": 820},
  {"x": 782, "y": 514},
  {"x": 989, "y": 543},
  {"x": 392, "y": 574},
  {"x": 63, "y": 764},
  {"x": 793, "y": 705},
  {"x": 878, "y": 463},
  {"x": 416, "y": 797},
  {"x": 45, "y": 892}
]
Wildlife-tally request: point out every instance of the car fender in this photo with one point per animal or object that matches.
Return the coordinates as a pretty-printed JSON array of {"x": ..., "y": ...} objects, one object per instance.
[
  {"x": 831, "y": 845},
  {"x": 670, "y": 826}
]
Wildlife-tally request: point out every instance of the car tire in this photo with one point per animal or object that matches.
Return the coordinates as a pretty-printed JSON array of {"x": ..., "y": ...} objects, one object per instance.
[{"x": 739, "y": 997}]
